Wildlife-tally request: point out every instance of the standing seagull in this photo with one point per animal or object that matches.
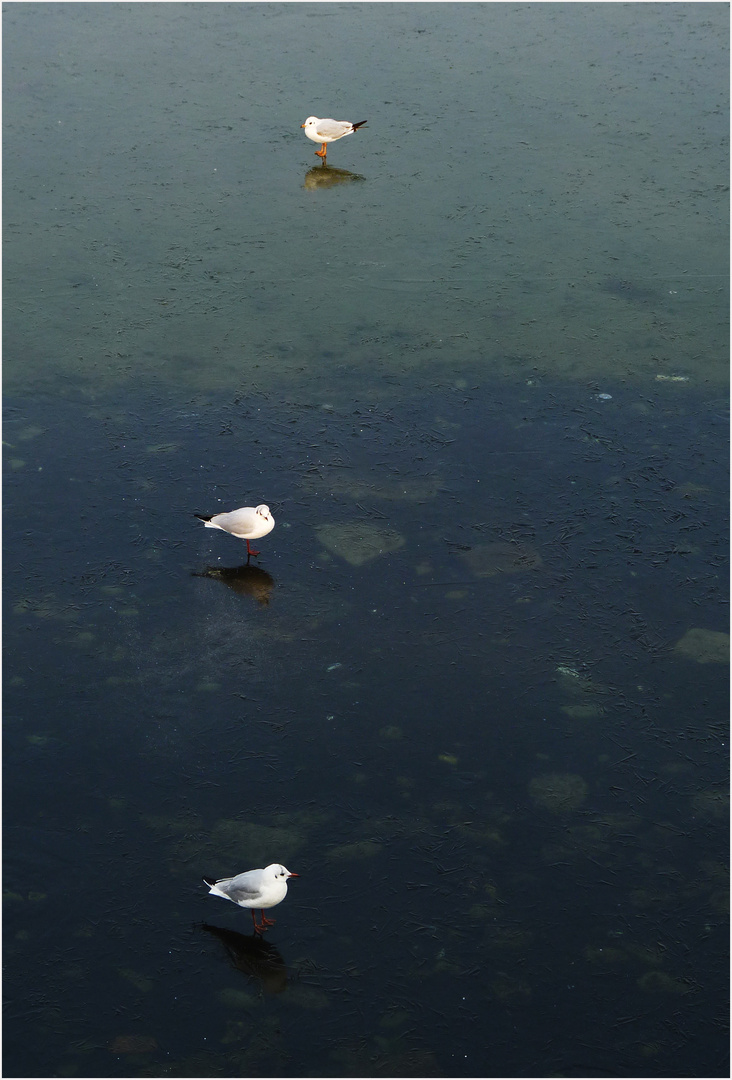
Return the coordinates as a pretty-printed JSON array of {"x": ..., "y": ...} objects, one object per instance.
[
  {"x": 325, "y": 131},
  {"x": 247, "y": 523},
  {"x": 254, "y": 889}
]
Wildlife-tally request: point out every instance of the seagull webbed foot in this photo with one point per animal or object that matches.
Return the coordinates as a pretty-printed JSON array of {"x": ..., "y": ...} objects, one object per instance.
[{"x": 259, "y": 928}]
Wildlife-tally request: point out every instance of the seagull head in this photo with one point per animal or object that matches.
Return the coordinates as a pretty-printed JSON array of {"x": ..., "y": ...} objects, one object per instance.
[{"x": 277, "y": 870}]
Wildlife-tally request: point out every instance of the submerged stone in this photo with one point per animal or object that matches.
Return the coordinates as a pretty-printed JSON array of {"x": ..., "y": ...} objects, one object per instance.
[
  {"x": 704, "y": 646},
  {"x": 487, "y": 560},
  {"x": 558, "y": 792},
  {"x": 358, "y": 542},
  {"x": 237, "y": 999},
  {"x": 658, "y": 982},
  {"x": 307, "y": 997},
  {"x": 138, "y": 980},
  {"x": 712, "y": 802},
  {"x": 134, "y": 1044},
  {"x": 361, "y": 849},
  {"x": 357, "y": 487},
  {"x": 582, "y": 712},
  {"x": 229, "y": 837},
  {"x": 572, "y": 683},
  {"x": 507, "y": 988}
]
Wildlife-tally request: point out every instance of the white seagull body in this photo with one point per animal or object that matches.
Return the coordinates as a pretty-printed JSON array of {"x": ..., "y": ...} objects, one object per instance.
[
  {"x": 246, "y": 523},
  {"x": 328, "y": 131},
  {"x": 258, "y": 889}
]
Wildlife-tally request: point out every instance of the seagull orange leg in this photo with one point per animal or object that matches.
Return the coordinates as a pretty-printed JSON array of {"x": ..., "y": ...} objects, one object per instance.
[
  {"x": 323, "y": 150},
  {"x": 259, "y": 929}
]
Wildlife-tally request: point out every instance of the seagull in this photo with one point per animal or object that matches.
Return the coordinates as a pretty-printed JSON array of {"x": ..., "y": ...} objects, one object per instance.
[
  {"x": 325, "y": 131},
  {"x": 247, "y": 523},
  {"x": 255, "y": 889}
]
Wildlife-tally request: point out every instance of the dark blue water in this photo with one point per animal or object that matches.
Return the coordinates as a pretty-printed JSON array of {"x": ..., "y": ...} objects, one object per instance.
[{"x": 504, "y": 793}]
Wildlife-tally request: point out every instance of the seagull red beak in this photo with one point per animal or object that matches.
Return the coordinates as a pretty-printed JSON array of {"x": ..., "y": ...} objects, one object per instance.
[{"x": 294, "y": 875}]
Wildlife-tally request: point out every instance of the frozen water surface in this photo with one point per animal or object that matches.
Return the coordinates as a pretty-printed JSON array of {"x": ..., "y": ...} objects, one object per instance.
[{"x": 474, "y": 688}]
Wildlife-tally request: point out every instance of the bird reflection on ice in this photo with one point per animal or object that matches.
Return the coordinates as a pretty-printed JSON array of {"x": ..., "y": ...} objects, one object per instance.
[
  {"x": 245, "y": 580},
  {"x": 256, "y": 958},
  {"x": 322, "y": 176}
]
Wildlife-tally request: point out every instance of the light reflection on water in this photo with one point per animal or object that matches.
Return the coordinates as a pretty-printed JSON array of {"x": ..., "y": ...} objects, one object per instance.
[
  {"x": 471, "y": 689},
  {"x": 544, "y": 190}
]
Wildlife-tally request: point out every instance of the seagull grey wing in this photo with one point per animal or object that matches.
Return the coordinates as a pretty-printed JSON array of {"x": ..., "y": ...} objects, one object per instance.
[
  {"x": 332, "y": 129},
  {"x": 246, "y": 887},
  {"x": 240, "y": 894}
]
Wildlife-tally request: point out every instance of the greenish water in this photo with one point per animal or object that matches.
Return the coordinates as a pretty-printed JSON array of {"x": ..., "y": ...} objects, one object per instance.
[
  {"x": 544, "y": 188},
  {"x": 474, "y": 689}
]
